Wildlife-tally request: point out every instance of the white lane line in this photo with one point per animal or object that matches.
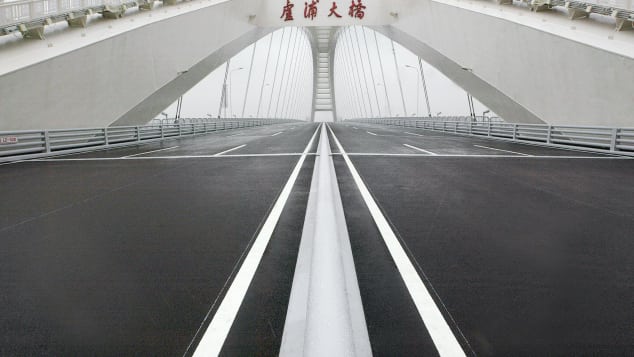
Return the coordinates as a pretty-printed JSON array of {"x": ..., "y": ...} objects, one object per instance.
[
  {"x": 355, "y": 128},
  {"x": 407, "y": 132},
  {"x": 230, "y": 150},
  {"x": 228, "y": 136},
  {"x": 278, "y": 133},
  {"x": 421, "y": 150},
  {"x": 371, "y": 133},
  {"x": 512, "y": 152},
  {"x": 149, "y": 152},
  {"x": 217, "y": 331},
  {"x": 444, "y": 339}
]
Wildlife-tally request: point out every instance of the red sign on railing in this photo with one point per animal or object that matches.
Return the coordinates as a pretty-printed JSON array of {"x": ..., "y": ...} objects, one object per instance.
[
  {"x": 355, "y": 10},
  {"x": 4, "y": 140}
]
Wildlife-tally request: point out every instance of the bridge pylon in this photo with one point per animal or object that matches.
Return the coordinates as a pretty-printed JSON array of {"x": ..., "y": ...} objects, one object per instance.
[{"x": 323, "y": 41}]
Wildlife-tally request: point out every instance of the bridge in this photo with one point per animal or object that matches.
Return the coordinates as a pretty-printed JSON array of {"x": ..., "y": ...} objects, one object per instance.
[{"x": 316, "y": 215}]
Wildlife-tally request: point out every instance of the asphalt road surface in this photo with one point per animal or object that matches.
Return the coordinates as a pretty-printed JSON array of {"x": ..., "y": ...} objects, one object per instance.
[{"x": 158, "y": 249}]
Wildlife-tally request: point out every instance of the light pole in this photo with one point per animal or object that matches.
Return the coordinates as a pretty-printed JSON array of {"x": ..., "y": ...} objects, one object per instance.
[
  {"x": 417, "y": 87},
  {"x": 484, "y": 113},
  {"x": 231, "y": 89}
]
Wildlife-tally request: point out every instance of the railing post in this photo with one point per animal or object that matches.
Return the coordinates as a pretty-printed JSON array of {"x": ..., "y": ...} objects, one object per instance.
[
  {"x": 47, "y": 141},
  {"x": 193, "y": 129},
  {"x": 180, "y": 129},
  {"x": 162, "y": 131},
  {"x": 138, "y": 133},
  {"x": 614, "y": 139},
  {"x": 489, "y": 130},
  {"x": 206, "y": 131},
  {"x": 549, "y": 135},
  {"x": 514, "y": 132},
  {"x": 470, "y": 127},
  {"x": 106, "y": 138}
]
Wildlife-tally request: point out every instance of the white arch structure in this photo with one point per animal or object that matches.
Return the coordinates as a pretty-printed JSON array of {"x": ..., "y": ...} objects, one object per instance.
[{"x": 529, "y": 68}]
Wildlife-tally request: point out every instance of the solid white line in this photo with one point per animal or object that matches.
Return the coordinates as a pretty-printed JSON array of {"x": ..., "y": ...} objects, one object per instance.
[
  {"x": 230, "y": 150},
  {"x": 277, "y": 133},
  {"x": 149, "y": 152},
  {"x": 444, "y": 339},
  {"x": 215, "y": 335},
  {"x": 371, "y": 133},
  {"x": 407, "y": 132},
  {"x": 512, "y": 152},
  {"x": 421, "y": 150}
]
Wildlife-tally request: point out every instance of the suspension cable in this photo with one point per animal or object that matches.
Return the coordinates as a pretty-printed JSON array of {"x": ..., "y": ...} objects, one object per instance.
[
  {"x": 286, "y": 107},
  {"x": 367, "y": 50},
  {"x": 277, "y": 64},
  {"x": 246, "y": 91},
  {"x": 291, "y": 73},
  {"x": 284, "y": 71},
  {"x": 353, "y": 107},
  {"x": 387, "y": 98},
  {"x": 398, "y": 75},
  {"x": 266, "y": 67},
  {"x": 354, "y": 74},
  {"x": 365, "y": 77},
  {"x": 355, "y": 66},
  {"x": 422, "y": 76}
]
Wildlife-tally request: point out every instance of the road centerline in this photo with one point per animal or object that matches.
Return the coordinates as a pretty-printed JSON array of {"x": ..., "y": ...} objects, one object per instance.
[
  {"x": 216, "y": 333},
  {"x": 325, "y": 314},
  {"x": 440, "y": 332}
]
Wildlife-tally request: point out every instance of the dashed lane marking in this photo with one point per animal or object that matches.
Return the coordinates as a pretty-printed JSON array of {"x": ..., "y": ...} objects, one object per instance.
[
  {"x": 371, "y": 133},
  {"x": 278, "y": 133},
  {"x": 230, "y": 150},
  {"x": 214, "y": 337},
  {"x": 149, "y": 152},
  {"x": 421, "y": 150},
  {"x": 440, "y": 332},
  {"x": 509, "y": 151},
  {"x": 407, "y": 132}
]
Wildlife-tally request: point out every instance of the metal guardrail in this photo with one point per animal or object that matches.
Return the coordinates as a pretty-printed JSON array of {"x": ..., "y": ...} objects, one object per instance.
[
  {"x": 618, "y": 141},
  {"x": 23, "y": 145}
]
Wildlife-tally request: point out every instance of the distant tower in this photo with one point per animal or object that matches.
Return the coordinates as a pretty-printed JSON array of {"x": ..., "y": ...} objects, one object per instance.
[{"x": 323, "y": 41}]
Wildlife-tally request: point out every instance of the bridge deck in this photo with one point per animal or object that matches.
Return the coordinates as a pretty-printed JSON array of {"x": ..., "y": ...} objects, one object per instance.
[{"x": 127, "y": 251}]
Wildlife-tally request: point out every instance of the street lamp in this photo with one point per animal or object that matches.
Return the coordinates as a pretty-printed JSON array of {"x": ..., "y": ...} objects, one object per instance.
[{"x": 483, "y": 113}]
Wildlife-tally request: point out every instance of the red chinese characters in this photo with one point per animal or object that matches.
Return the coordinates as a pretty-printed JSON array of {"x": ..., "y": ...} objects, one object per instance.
[
  {"x": 333, "y": 10},
  {"x": 310, "y": 10},
  {"x": 287, "y": 12},
  {"x": 357, "y": 10}
]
